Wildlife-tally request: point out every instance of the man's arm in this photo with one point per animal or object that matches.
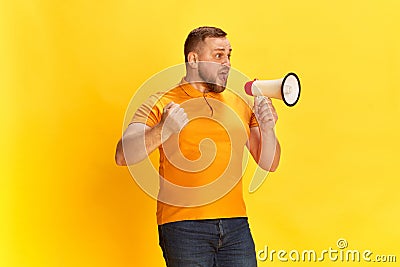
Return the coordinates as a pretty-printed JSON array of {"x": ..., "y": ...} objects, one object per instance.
[
  {"x": 139, "y": 140},
  {"x": 263, "y": 143},
  {"x": 265, "y": 148}
]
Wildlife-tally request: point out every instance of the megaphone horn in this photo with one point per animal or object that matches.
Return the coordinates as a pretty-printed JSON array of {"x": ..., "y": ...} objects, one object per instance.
[{"x": 286, "y": 89}]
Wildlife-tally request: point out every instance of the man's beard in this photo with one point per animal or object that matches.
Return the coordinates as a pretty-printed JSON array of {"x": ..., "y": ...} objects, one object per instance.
[
  {"x": 212, "y": 87},
  {"x": 211, "y": 82}
]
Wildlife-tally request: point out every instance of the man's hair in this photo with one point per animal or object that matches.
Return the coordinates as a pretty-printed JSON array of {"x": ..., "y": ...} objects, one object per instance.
[{"x": 198, "y": 35}]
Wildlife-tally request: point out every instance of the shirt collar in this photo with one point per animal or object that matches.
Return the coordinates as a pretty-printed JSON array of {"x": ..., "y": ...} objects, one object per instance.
[{"x": 193, "y": 92}]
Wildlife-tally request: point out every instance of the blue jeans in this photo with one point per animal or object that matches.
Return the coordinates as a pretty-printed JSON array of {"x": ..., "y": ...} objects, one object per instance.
[{"x": 208, "y": 243}]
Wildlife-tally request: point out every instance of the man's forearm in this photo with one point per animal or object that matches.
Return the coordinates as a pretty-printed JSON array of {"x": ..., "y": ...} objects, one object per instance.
[
  {"x": 269, "y": 151},
  {"x": 140, "y": 140},
  {"x": 136, "y": 146}
]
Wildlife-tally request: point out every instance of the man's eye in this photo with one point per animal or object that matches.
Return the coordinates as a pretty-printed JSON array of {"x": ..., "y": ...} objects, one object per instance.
[{"x": 218, "y": 55}]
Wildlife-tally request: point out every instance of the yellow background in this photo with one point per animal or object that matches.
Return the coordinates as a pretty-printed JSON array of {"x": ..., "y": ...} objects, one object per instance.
[{"x": 69, "y": 68}]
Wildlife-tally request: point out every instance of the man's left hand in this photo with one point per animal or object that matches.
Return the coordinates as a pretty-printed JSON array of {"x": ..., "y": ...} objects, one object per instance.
[{"x": 265, "y": 113}]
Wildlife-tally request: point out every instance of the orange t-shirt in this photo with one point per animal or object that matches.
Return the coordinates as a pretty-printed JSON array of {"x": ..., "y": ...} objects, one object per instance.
[{"x": 201, "y": 167}]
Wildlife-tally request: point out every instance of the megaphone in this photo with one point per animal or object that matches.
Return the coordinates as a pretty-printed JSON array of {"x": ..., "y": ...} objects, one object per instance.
[{"x": 286, "y": 89}]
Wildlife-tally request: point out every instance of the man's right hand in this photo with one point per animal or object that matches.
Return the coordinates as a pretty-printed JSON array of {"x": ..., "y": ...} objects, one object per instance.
[{"x": 173, "y": 119}]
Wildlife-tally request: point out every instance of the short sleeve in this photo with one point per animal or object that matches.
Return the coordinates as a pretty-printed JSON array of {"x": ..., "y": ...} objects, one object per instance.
[
  {"x": 149, "y": 112},
  {"x": 253, "y": 120}
]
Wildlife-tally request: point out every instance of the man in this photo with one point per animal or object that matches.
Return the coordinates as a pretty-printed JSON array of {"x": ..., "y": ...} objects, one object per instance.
[{"x": 201, "y": 130}]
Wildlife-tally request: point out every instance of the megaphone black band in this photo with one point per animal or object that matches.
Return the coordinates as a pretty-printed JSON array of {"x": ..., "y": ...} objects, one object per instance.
[{"x": 283, "y": 95}]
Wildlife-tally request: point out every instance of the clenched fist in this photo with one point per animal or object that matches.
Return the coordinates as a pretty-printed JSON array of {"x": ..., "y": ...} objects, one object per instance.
[
  {"x": 173, "y": 119},
  {"x": 265, "y": 113}
]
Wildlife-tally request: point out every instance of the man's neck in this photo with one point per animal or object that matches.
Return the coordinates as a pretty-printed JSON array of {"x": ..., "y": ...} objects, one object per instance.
[{"x": 194, "y": 81}]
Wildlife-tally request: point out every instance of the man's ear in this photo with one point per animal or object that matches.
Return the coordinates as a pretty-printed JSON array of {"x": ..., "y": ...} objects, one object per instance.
[{"x": 193, "y": 60}]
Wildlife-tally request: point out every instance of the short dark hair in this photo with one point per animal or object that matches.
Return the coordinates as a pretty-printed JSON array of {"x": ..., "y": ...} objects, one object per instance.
[{"x": 199, "y": 35}]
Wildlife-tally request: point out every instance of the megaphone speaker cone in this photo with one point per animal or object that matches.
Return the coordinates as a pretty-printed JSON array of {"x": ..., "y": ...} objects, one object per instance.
[{"x": 290, "y": 89}]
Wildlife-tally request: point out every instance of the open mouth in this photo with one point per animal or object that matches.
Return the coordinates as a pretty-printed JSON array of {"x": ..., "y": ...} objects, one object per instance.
[
  {"x": 224, "y": 70},
  {"x": 223, "y": 74},
  {"x": 223, "y": 77}
]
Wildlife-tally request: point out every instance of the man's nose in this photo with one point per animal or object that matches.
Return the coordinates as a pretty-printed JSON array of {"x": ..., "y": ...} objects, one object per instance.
[{"x": 226, "y": 62}]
